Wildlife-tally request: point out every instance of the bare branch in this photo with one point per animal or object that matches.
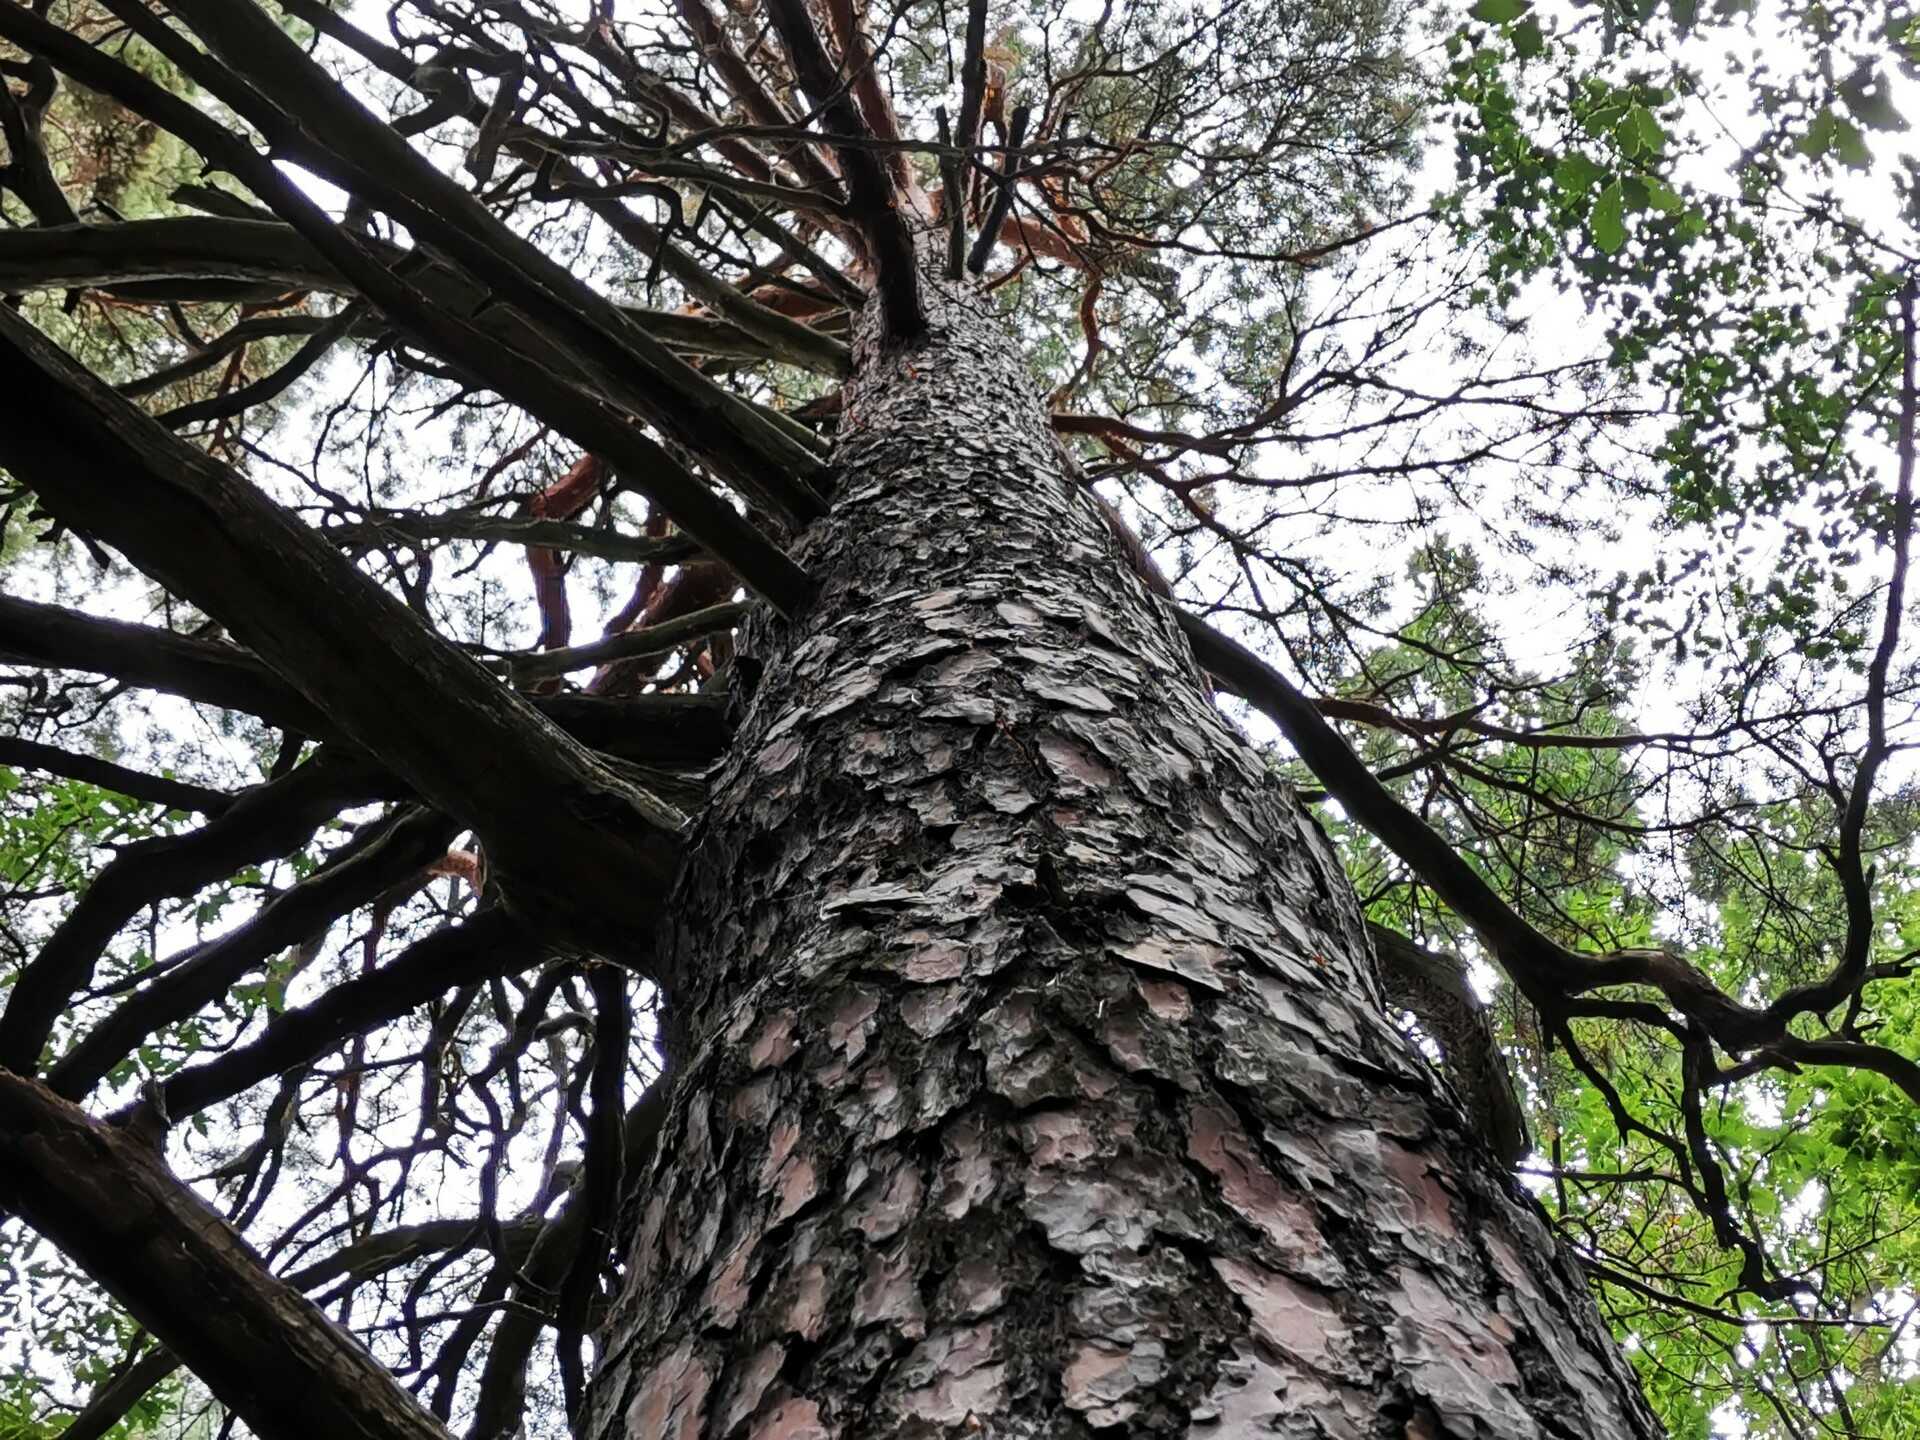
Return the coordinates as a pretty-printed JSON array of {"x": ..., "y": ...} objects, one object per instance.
[{"x": 154, "y": 789}]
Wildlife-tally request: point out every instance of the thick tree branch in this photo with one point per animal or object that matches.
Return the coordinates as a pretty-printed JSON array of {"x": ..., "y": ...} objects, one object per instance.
[
  {"x": 261, "y": 1347},
  {"x": 600, "y": 346},
  {"x": 973, "y": 97},
  {"x": 154, "y": 659},
  {"x": 312, "y": 118},
  {"x": 251, "y": 259},
  {"x": 673, "y": 730},
  {"x": 876, "y": 110},
  {"x": 557, "y": 822},
  {"x": 221, "y": 257},
  {"x": 874, "y": 197},
  {"x": 27, "y": 172},
  {"x": 363, "y": 1260}
]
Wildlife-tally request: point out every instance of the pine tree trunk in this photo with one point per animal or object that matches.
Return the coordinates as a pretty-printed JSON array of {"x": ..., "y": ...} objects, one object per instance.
[{"x": 1029, "y": 1075}]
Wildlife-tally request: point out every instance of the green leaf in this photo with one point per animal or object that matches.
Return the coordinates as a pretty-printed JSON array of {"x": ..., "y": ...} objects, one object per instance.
[
  {"x": 1528, "y": 38},
  {"x": 1575, "y": 174},
  {"x": 1638, "y": 133},
  {"x": 1868, "y": 96},
  {"x": 1608, "y": 224},
  {"x": 1499, "y": 12},
  {"x": 1830, "y": 134},
  {"x": 1851, "y": 146},
  {"x": 1652, "y": 137},
  {"x": 1662, "y": 196}
]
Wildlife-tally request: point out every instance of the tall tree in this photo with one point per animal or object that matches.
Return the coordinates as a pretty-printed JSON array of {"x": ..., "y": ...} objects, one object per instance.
[{"x": 1029, "y": 1059}]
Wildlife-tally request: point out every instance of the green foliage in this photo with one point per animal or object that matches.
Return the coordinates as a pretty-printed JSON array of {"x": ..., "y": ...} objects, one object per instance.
[
  {"x": 1822, "y": 1164},
  {"x": 50, "y": 830}
]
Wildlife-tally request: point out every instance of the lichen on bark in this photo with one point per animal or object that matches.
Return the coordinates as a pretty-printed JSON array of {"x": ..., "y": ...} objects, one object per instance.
[{"x": 1029, "y": 1076}]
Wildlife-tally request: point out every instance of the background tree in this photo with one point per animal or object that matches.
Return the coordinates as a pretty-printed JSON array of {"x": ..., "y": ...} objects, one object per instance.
[{"x": 1028, "y": 1068}]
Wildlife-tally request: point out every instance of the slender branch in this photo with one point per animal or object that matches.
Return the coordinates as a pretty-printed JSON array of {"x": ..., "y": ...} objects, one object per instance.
[
  {"x": 1849, "y": 864},
  {"x": 1363, "y": 712},
  {"x": 648, "y": 640},
  {"x": 1544, "y": 970},
  {"x": 264, "y": 823},
  {"x": 1003, "y": 196},
  {"x": 488, "y": 944},
  {"x": 109, "y": 1404},
  {"x": 754, "y": 97},
  {"x": 784, "y": 338},
  {"x": 154, "y": 789},
  {"x": 234, "y": 338},
  {"x": 953, "y": 200},
  {"x": 1548, "y": 973},
  {"x": 564, "y": 1247},
  {"x": 401, "y": 849},
  {"x": 516, "y": 530},
  {"x": 310, "y": 354},
  {"x": 601, "y": 1170},
  {"x": 1855, "y": 1055}
]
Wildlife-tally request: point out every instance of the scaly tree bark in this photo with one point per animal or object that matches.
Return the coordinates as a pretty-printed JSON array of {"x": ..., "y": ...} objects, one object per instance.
[{"x": 1029, "y": 1075}]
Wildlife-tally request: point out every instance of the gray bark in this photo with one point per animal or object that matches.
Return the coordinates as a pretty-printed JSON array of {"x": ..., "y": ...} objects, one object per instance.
[{"x": 1031, "y": 1079}]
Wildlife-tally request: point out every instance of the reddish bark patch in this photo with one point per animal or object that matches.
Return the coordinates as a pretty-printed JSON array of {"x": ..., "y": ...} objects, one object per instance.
[
  {"x": 774, "y": 1045},
  {"x": 953, "y": 1376},
  {"x": 809, "y": 1305},
  {"x": 672, "y": 1401},
  {"x": 1169, "y": 1001},
  {"x": 727, "y": 1292},
  {"x": 794, "y": 1419},
  {"x": 1190, "y": 960},
  {"x": 935, "y": 961},
  {"x": 1217, "y": 1143},
  {"x": 1294, "y": 1319}
]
